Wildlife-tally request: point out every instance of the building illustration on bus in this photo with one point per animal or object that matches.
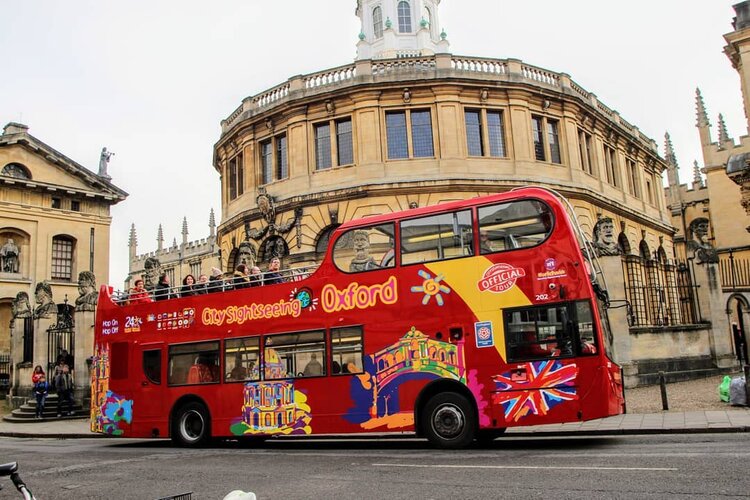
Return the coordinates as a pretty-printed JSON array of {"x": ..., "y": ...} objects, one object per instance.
[{"x": 454, "y": 321}]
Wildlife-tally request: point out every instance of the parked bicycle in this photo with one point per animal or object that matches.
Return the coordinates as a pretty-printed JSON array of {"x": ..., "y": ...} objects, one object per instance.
[{"x": 11, "y": 470}]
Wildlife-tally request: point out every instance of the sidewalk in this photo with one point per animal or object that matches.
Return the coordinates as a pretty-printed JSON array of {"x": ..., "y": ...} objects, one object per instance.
[{"x": 690, "y": 422}]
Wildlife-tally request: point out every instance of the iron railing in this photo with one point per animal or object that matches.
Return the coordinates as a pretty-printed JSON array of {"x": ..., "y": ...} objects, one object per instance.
[
  {"x": 4, "y": 371},
  {"x": 735, "y": 273}
]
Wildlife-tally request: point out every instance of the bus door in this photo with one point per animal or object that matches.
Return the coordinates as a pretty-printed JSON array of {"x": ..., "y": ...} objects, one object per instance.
[
  {"x": 149, "y": 375},
  {"x": 553, "y": 363}
]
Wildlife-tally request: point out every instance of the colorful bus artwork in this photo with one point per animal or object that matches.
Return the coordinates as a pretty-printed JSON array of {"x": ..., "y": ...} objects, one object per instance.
[{"x": 454, "y": 322}]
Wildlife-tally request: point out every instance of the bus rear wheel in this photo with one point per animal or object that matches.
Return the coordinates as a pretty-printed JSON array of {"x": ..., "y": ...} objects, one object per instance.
[
  {"x": 449, "y": 421},
  {"x": 191, "y": 426}
]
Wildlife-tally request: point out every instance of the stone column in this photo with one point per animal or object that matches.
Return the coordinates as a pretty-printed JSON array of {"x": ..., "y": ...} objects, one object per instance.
[
  {"x": 713, "y": 310},
  {"x": 618, "y": 318},
  {"x": 84, "y": 349}
]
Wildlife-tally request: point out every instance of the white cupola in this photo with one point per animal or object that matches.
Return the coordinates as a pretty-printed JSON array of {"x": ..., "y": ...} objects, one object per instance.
[{"x": 399, "y": 28}]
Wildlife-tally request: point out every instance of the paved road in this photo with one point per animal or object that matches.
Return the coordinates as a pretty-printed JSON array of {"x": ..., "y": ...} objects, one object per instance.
[{"x": 659, "y": 466}]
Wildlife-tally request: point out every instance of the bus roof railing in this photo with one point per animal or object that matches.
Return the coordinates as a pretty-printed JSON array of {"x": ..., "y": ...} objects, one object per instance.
[{"x": 226, "y": 283}]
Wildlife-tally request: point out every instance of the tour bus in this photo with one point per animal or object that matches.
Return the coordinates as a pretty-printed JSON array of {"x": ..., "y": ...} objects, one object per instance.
[{"x": 453, "y": 321}]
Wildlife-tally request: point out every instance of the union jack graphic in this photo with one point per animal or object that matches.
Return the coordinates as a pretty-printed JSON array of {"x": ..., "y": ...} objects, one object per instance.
[{"x": 546, "y": 384}]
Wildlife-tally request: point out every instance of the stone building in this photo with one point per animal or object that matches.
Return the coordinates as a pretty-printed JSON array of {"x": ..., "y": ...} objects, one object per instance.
[
  {"x": 176, "y": 261},
  {"x": 54, "y": 228}
]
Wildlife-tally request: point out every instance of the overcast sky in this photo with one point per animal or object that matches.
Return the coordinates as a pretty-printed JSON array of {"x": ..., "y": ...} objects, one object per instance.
[{"x": 151, "y": 80}]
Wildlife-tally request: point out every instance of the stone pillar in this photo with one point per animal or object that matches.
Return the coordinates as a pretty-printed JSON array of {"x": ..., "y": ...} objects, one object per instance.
[
  {"x": 713, "y": 310},
  {"x": 618, "y": 318},
  {"x": 84, "y": 349}
]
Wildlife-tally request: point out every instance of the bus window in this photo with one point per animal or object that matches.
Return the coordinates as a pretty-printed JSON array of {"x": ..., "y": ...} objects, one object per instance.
[
  {"x": 152, "y": 365},
  {"x": 194, "y": 363},
  {"x": 294, "y": 355},
  {"x": 515, "y": 224},
  {"x": 365, "y": 249},
  {"x": 241, "y": 359},
  {"x": 436, "y": 237},
  {"x": 346, "y": 350},
  {"x": 555, "y": 331}
]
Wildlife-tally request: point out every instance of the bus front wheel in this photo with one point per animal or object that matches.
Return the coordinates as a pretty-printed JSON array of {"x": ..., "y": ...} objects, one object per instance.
[
  {"x": 191, "y": 426},
  {"x": 448, "y": 420}
]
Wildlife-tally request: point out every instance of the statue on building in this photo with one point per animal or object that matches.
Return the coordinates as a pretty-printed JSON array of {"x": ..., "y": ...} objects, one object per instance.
[
  {"x": 702, "y": 249},
  {"x": 151, "y": 272},
  {"x": 21, "y": 307},
  {"x": 103, "y": 162},
  {"x": 272, "y": 247},
  {"x": 45, "y": 307},
  {"x": 605, "y": 242},
  {"x": 362, "y": 260},
  {"x": 246, "y": 254},
  {"x": 87, "y": 294},
  {"x": 9, "y": 257}
]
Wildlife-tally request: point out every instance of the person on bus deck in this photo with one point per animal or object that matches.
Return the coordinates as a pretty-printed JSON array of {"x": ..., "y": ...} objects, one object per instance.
[
  {"x": 203, "y": 371},
  {"x": 202, "y": 286},
  {"x": 162, "y": 290},
  {"x": 139, "y": 294},
  {"x": 188, "y": 286},
  {"x": 485, "y": 245},
  {"x": 335, "y": 367},
  {"x": 530, "y": 347},
  {"x": 256, "y": 276},
  {"x": 239, "y": 372},
  {"x": 240, "y": 279},
  {"x": 273, "y": 275},
  {"x": 587, "y": 346},
  {"x": 313, "y": 367},
  {"x": 216, "y": 281}
]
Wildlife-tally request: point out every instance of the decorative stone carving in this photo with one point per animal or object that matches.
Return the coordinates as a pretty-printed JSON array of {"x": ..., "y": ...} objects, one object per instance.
[
  {"x": 45, "y": 307},
  {"x": 702, "y": 249},
  {"x": 246, "y": 254},
  {"x": 21, "y": 307},
  {"x": 151, "y": 272},
  {"x": 275, "y": 246},
  {"x": 9, "y": 257},
  {"x": 87, "y": 294},
  {"x": 362, "y": 260},
  {"x": 103, "y": 162},
  {"x": 605, "y": 242},
  {"x": 272, "y": 247}
]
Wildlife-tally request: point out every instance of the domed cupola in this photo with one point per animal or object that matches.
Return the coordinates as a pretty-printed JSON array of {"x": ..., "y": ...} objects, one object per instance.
[{"x": 399, "y": 28}]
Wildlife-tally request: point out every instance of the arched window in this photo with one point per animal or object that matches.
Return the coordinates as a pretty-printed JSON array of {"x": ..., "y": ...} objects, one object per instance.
[
  {"x": 404, "y": 17},
  {"x": 623, "y": 243},
  {"x": 16, "y": 170},
  {"x": 325, "y": 236},
  {"x": 377, "y": 22},
  {"x": 644, "y": 250},
  {"x": 62, "y": 258},
  {"x": 428, "y": 17}
]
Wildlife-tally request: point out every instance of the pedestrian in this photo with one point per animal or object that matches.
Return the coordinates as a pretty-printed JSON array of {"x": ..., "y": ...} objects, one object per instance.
[
  {"x": 41, "y": 389},
  {"x": 38, "y": 372},
  {"x": 188, "y": 286},
  {"x": 64, "y": 388},
  {"x": 202, "y": 286},
  {"x": 162, "y": 290},
  {"x": 139, "y": 295},
  {"x": 215, "y": 282},
  {"x": 273, "y": 275},
  {"x": 240, "y": 280},
  {"x": 256, "y": 276}
]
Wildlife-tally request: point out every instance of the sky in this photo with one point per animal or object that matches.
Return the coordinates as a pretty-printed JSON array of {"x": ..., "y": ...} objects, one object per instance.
[{"x": 152, "y": 80}]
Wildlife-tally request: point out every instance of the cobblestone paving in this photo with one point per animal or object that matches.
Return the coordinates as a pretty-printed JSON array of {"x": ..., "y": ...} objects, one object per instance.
[{"x": 693, "y": 395}]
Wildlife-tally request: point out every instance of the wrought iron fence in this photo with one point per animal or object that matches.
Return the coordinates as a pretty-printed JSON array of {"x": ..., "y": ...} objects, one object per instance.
[
  {"x": 4, "y": 371},
  {"x": 61, "y": 336},
  {"x": 735, "y": 273},
  {"x": 660, "y": 293}
]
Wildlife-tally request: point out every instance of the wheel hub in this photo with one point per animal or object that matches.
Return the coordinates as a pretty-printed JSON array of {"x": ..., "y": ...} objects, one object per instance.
[
  {"x": 192, "y": 425},
  {"x": 448, "y": 421}
]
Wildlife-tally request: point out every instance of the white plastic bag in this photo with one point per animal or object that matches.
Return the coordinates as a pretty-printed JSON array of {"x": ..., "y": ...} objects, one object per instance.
[{"x": 737, "y": 395}]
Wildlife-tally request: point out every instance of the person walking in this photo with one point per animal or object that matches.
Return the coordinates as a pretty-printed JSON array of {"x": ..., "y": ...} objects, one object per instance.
[
  {"x": 38, "y": 372},
  {"x": 41, "y": 389},
  {"x": 64, "y": 387}
]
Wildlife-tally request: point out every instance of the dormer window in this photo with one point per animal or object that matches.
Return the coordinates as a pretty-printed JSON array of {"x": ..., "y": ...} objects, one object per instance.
[
  {"x": 15, "y": 170},
  {"x": 377, "y": 22},
  {"x": 404, "y": 17}
]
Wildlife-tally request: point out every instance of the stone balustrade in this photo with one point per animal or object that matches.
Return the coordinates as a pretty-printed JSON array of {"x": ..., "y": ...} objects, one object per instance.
[{"x": 329, "y": 77}]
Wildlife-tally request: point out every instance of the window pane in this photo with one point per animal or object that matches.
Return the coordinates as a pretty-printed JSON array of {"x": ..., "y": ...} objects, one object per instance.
[
  {"x": 496, "y": 133},
  {"x": 344, "y": 142},
  {"x": 294, "y": 355},
  {"x": 395, "y": 124},
  {"x": 62, "y": 259},
  {"x": 404, "y": 17},
  {"x": 75, "y": 205},
  {"x": 282, "y": 168},
  {"x": 193, "y": 363},
  {"x": 377, "y": 21},
  {"x": 232, "y": 174},
  {"x": 322, "y": 146},
  {"x": 365, "y": 249},
  {"x": 266, "y": 159},
  {"x": 536, "y": 128},
  {"x": 473, "y": 132},
  {"x": 421, "y": 134},
  {"x": 517, "y": 224},
  {"x": 240, "y": 174},
  {"x": 538, "y": 332},
  {"x": 586, "y": 341},
  {"x": 554, "y": 142},
  {"x": 436, "y": 237},
  {"x": 152, "y": 365},
  {"x": 346, "y": 350},
  {"x": 241, "y": 359}
]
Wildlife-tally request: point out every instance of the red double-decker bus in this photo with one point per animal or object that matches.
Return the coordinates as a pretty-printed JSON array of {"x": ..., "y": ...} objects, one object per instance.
[{"x": 454, "y": 321}]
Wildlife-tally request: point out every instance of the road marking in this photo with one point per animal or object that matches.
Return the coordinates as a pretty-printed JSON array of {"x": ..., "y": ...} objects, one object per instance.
[{"x": 530, "y": 467}]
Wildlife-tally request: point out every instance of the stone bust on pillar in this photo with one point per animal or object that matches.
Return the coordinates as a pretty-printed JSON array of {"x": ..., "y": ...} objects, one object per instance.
[
  {"x": 702, "y": 249},
  {"x": 21, "y": 307},
  {"x": 605, "y": 242},
  {"x": 45, "y": 306},
  {"x": 88, "y": 295}
]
